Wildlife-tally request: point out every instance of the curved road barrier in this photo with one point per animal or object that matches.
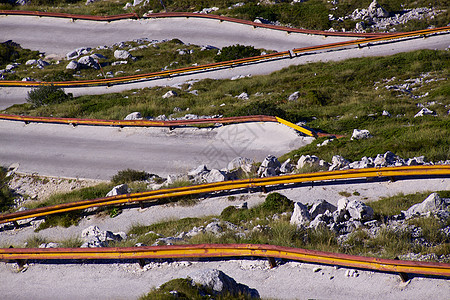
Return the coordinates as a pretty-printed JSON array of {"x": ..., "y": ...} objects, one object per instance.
[
  {"x": 229, "y": 250},
  {"x": 154, "y": 196},
  {"x": 185, "y": 15},
  {"x": 150, "y": 123},
  {"x": 227, "y": 64}
]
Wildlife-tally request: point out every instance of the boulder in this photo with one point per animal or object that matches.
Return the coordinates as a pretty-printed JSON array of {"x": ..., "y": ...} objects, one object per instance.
[
  {"x": 269, "y": 167},
  {"x": 425, "y": 112},
  {"x": 72, "y": 65},
  {"x": 286, "y": 167},
  {"x": 338, "y": 162},
  {"x": 198, "y": 171},
  {"x": 122, "y": 54},
  {"x": 320, "y": 207},
  {"x": 376, "y": 11},
  {"x": 243, "y": 163},
  {"x": 31, "y": 62},
  {"x": 307, "y": 160},
  {"x": 220, "y": 283},
  {"x": 365, "y": 162},
  {"x": 380, "y": 161},
  {"x": 294, "y": 96},
  {"x": 118, "y": 190},
  {"x": 170, "y": 94},
  {"x": 214, "y": 228},
  {"x": 88, "y": 62},
  {"x": 97, "y": 56},
  {"x": 432, "y": 203},
  {"x": 95, "y": 238},
  {"x": 216, "y": 176},
  {"x": 77, "y": 52},
  {"x": 243, "y": 96},
  {"x": 134, "y": 116},
  {"x": 301, "y": 215},
  {"x": 359, "y": 211},
  {"x": 42, "y": 63},
  {"x": 360, "y": 134}
]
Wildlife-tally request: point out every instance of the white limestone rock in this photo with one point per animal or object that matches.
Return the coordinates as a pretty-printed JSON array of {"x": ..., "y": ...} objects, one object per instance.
[
  {"x": 301, "y": 215},
  {"x": 360, "y": 134},
  {"x": 122, "y": 54},
  {"x": 432, "y": 203},
  {"x": 170, "y": 94},
  {"x": 120, "y": 189},
  {"x": 134, "y": 116},
  {"x": 359, "y": 211}
]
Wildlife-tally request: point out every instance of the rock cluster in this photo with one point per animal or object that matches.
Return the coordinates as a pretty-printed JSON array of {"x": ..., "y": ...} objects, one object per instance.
[
  {"x": 95, "y": 238},
  {"x": 220, "y": 283}
]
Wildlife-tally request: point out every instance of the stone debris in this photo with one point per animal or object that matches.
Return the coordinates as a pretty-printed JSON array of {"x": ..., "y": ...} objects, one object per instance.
[
  {"x": 118, "y": 190},
  {"x": 77, "y": 52},
  {"x": 170, "y": 94},
  {"x": 294, "y": 96},
  {"x": 122, "y": 54},
  {"x": 360, "y": 134},
  {"x": 269, "y": 167},
  {"x": 134, "y": 116},
  {"x": 425, "y": 112},
  {"x": 88, "y": 62},
  {"x": 95, "y": 238},
  {"x": 221, "y": 283},
  {"x": 243, "y": 96}
]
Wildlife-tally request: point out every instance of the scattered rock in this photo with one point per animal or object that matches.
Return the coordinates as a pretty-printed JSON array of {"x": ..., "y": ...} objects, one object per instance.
[
  {"x": 77, "y": 52},
  {"x": 309, "y": 160},
  {"x": 88, "y": 62},
  {"x": 118, "y": 190},
  {"x": 360, "y": 134},
  {"x": 216, "y": 176},
  {"x": 134, "y": 116},
  {"x": 243, "y": 96},
  {"x": 425, "y": 112},
  {"x": 301, "y": 215},
  {"x": 245, "y": 164},
  {"x": 220, "y": 283},
  {"x": 72, "y": 65},
  {"x": 432, "y": 203},
  {"x": 170, "y": 94},
  {"x": 320, "y": 207},
  {"x": 294, "y": 96},
  {"x": 122, "y": 54},
  {"x": 338, "y": 162},
  {"x": 359, "y": 211},
  {"x": 269, "y": 167},
  {"x": 286, "y": 167}
]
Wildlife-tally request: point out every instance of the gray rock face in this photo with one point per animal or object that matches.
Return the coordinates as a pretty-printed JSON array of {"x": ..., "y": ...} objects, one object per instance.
[
  {"x": 360, "y": 134},
  {"x": 88, "y": 62},
  {"x": 359, "y": 211},
  {"x": 77, "y": 52},
  {"x": 286, "y": 167},
  {"x": 243, "y": 163},
  {"x": 309, "y": 160},
  {"x": 269, "y": 167},
  {"x": 301, "y": 215},
  {"x": 134, "y": 116},
  {"x": 72, "y": 65},
  {"x": 118, "y": 190},
  {"x": 96, "y": 238},
  {"x": 320, "y": 207},
  {"x": 221, "y": 283},
  {"x": 216, "y": 176},
  {"x": 122, "y": 54},
  {"x": 432, "y": 203},
  {"x": 338, "y": 162}
]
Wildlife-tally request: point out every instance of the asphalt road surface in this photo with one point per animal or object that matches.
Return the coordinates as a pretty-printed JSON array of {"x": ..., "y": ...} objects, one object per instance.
[{"x": 99, "y": 152}]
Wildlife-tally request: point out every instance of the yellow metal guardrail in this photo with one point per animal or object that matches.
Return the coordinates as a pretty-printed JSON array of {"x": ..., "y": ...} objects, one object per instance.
[
  {"x": 226, "y": 64},
  {"x": 151, "y": 123},
  {"x": 229, "y": 250},
  {"x": 153, "y": 196}
]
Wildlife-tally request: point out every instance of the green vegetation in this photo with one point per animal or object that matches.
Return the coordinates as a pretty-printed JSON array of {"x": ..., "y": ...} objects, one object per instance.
[
  {"x": 129, "y": 175},
  {"x": 47, "y": 95},
  {"x": 12, "y": 52},
  {"x": 236, "y": 52},
  {"x": 6, "y": 197}
]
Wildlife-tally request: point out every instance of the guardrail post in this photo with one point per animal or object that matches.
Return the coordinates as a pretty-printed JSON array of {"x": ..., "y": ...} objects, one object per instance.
[
  {"x": 272, "y": 262},
  {"x": 141, "y": 262}
]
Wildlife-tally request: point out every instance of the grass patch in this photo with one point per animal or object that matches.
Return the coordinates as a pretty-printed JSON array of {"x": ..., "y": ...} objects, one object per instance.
[
  {"x": 388, "y": 206},
  {"x": 34, "y": 241},
  {"x": 129, "y": 175}
]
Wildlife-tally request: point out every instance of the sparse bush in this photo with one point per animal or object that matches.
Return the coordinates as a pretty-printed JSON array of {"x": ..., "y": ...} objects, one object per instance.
[
  {"x": 277, "y": 203},
  {"x": 129, "y": 175},
  {"x": 236, "y": 52},
  {"x": 6, "y": 197},
  {"x": 47, "y": 95}
]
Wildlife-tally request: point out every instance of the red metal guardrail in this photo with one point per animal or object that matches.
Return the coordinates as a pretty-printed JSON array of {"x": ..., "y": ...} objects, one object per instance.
[{"x": 228, "y": 250}]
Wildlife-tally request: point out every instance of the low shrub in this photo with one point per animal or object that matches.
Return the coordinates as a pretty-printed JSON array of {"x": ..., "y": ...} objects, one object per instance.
[
  {"x": 236, "y": 52},
  {"x": 129, "y": 175},
  {"x": 47, "y": 95},
  {"x": 6, "y": 196}
]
